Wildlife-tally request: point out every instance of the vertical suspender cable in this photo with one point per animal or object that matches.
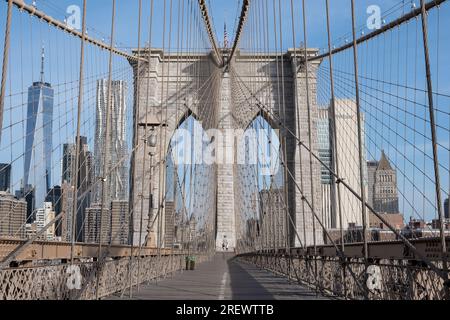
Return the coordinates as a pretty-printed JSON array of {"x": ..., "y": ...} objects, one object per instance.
[
  {"x": 5, "y": 63},
  {"x": 136, "y": 114},
  {"x": 278, "y": 95},
  {"x": 161, "y": 147},
  {"x": 144, "y": 156},
  {"x": 434, "y": 138},
  {"x": 77, "y": 147},
  {"x": 335, "y": 187},
  {"x": 148, "y": 238},
  {"x": 360, "y": 137},
  {"x": 107, "y": 145},
  {"x": 165, "y": 148},
  {"x": 284, "y": 138},
  {"x": 177, "y": 107},
  {"x": 308, "y": 102},
  {"x": 297, "y": 114},
  {"x": 333, "y": 135}
]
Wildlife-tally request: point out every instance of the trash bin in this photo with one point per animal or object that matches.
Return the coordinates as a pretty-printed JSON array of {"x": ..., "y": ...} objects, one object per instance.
[{"x": 190, "y": 263}]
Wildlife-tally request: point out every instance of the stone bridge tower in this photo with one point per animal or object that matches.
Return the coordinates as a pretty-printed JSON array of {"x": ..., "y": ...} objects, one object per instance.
[{"x": 166, "y": 90}]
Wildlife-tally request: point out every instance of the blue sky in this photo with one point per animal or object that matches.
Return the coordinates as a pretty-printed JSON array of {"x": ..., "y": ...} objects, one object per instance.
[
  {"x": 99, "y": 16},
  {"x": 27, "y": 38}
]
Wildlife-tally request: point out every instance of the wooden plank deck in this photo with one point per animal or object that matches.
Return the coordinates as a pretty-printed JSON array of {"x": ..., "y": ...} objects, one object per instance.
[{"x": 223, "y": 278}]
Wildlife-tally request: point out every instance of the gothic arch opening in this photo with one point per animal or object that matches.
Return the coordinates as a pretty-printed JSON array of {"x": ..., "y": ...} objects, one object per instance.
[
  {"x": 189, "y": 202},
  {"x": 261, "y": 202}
]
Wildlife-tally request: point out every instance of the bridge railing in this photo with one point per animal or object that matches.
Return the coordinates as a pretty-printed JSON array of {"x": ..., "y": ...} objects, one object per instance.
[
  {"x": 72, "y": 157},
  {"x": 367, "y": 124},
  {"x": 88, "y": 280},
  {"x": 351, "y": 278}
]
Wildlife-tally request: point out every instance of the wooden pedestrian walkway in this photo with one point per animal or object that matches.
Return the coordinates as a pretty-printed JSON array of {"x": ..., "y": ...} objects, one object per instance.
[{"x": 223, "y": 278}]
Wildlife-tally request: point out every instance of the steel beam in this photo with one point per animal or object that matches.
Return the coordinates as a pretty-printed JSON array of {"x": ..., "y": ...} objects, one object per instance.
[{"x": 44, "y": 250}]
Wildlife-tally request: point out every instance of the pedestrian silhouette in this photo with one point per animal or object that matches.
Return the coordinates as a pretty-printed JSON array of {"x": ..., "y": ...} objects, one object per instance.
[{"x": 225, "y": 243}]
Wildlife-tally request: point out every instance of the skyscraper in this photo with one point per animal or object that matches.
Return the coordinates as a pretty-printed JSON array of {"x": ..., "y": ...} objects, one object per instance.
[
  {"x": 27, "y": 193},
  {"x": 383, "y": 193},
  {"x": 5, "y": 176},
  {"x": 69, "y": 150},
  {"x": 66, "y": 208},
  {"x": 347, "y": 158},
  {"x": 12, "y": 216},
  {"x": 169, "y": 232},
  {"x": 116, "y": 149},
  {"x": 43, "y": 217},
  {"x": 94, "y": 232},
  {"x": 371, "y": 171},
  {"x": 84, "y": 183},
  {"x": 120, "y": 220},
  {"x": 323, "y": 136},
  {"x": 38, "y": 143},
  {"x": 54, "y": 197}
]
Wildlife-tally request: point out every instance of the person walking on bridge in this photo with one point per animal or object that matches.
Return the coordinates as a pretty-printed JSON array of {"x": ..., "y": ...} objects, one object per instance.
[{"x": 225, "y": 243}]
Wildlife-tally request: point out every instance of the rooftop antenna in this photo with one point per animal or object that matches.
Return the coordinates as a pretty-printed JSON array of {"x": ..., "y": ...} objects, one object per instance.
[{"x": 42, "y": 64}]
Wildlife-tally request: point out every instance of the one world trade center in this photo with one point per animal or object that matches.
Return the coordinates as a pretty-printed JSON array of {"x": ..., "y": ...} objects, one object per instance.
[{"x": 38, "y": 143}]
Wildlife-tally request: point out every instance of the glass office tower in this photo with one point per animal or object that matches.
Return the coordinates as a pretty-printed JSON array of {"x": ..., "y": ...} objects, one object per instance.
[
  {"x": 38, "y": 139},
  {"x": 117, "y": 184}
]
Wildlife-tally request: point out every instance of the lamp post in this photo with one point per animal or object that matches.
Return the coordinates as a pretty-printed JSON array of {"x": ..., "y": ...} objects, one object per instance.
[{"x": 152, "y": 142}]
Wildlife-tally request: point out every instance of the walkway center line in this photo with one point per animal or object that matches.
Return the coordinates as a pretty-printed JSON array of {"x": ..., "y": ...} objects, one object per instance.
[{"x": 222, "y": 286}]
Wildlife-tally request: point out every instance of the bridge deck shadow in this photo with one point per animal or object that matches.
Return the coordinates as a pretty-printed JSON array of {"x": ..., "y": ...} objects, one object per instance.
[{"x": 222, "y": 278}]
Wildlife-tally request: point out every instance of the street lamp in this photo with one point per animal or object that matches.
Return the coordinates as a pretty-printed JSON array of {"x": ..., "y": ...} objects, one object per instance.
[
  {"x": 152, "y": 141},
  {"x": 151, "y": 122}
]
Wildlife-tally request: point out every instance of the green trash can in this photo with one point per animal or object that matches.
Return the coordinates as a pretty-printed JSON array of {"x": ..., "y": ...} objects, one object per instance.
[{"x": 190, "y": 263}]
